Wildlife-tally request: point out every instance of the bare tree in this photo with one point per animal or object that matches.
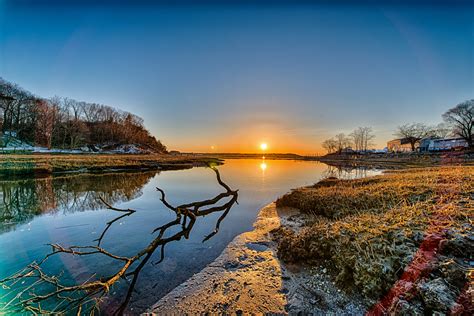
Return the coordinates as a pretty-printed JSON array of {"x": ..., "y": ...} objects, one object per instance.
[
  {"x": 42, "y": 293},
  {"x": 45, "y": 122},
  {"x": 342, "y": 141},
  {"x": 442, "y": 130},
  {"x": 461, "y": 118},
  {"x": 362, "y": 138},
  {"x": 330, "y": 145},
  {"x": 413, "y": 132}
]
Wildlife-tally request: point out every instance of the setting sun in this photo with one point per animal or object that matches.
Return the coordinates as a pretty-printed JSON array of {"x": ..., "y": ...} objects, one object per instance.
[{"x": 263, "y": 146}]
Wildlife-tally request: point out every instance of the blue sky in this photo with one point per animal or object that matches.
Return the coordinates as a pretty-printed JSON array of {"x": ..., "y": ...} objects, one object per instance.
[{"x": 232, "y": 76}]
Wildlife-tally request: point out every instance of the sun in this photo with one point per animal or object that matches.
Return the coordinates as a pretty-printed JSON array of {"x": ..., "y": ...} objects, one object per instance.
[{"x": 263, "y": 146}]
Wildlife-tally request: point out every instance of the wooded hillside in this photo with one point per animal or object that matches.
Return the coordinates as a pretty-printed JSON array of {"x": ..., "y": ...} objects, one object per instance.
[{"x": 61, "y": 122}]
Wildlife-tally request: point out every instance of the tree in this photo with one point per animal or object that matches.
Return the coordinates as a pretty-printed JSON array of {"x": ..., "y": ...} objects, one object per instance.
[
  {"x": 342, "y": 141},
  {"x": 362, "y": 138},
  {"x": 330, "y": 145},
  {"x": 442, "y": 130},
  {"x": 461, "y": 118},
  {"x": 413, "y": 132},
  {"x": 46, "y": 114}
]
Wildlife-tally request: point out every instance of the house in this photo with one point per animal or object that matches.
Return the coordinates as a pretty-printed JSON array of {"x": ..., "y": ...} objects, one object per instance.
[
  {"x": 442, "y": 144},
  {"x": 401, "y": 145},
  {"x": 347, "y": 150}
]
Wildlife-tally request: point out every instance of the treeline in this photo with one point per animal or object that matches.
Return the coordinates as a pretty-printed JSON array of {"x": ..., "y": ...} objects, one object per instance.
[
  {"x": 361, "y": 139},
  {"x": 66, "y": 123},
  {"x": 457, "y": 122}
]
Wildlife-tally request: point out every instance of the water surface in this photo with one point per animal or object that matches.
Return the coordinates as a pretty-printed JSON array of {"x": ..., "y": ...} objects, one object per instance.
[{"x": 66, "y": 210}]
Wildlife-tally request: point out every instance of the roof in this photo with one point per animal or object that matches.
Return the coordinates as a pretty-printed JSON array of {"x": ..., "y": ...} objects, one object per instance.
[{"x": 402, "y": 141}]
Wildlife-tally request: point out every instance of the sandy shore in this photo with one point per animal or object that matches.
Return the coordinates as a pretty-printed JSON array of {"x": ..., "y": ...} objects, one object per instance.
[{"x": 248, "y": 278}]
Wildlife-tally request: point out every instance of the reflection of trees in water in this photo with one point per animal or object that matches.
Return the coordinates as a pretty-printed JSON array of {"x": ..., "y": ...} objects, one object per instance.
[
  {"x": 39, "y": 291},
  {"x": 23, "y": 199},
  {"x": 346, "y": 172}
]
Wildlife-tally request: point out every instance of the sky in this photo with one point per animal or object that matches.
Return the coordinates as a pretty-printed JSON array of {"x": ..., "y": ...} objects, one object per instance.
[{"x": 208, "y": 76}]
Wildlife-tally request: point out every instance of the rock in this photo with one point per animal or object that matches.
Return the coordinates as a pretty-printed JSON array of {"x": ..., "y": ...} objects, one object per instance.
[
  {"x": 457, "y": 244},
  {"x": 436, "y": 295},
  {"x": 453, "y": 273},
  {"x": 402, "y": 307}
]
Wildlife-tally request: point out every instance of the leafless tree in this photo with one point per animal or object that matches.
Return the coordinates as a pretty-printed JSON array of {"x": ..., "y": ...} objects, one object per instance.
[
  {"x": 442, "y": 130},
  {"x": 461, "y": 118},
  {"x": 413, "y": 132},
  {"x": 362, "y": 138},
  {"x": 342, "y": 141},
  {"x": 330, "y": 145},
  {"x": 45, "y": 121},
  {"x": 33, "y": 289}
]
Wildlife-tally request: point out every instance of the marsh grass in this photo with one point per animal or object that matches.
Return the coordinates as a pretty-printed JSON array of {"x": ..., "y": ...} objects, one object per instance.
[
  {"x": 370, "y": 229},
  {"x": 46, "y": 163}
]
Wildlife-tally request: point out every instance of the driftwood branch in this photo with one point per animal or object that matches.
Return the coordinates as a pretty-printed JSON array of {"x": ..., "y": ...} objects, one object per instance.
[{"x": 36, "y": 291}]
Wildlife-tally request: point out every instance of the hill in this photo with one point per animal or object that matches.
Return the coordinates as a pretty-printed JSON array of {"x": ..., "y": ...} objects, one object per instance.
[{"x": 68, "y": 124}]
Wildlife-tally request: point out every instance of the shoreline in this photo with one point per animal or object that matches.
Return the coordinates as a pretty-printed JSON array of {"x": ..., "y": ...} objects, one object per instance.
[
  {"x": 47, "y": 164},
  {"x": 311, "y": 253},
  {"x": 248, "y": 277}
]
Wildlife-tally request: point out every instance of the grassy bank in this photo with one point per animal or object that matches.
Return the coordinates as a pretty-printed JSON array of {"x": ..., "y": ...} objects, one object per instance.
[
  {"x": 48, "y": 163},
  {"x": 400, "y": 160},
  {"x": 404, "y": 239}
]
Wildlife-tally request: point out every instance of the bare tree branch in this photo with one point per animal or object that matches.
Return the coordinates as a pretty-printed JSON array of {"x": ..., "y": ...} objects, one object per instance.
[{"x": 44, "y": 293}]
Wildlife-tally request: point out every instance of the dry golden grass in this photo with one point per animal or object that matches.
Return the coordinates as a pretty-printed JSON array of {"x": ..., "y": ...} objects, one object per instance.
[
  {"x": 370, "y": 228},
  {"x": 338, "y": 198}
]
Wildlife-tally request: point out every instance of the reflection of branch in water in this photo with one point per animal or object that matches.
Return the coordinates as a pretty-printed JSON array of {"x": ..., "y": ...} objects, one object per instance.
[{"x": 38, "y": 290}]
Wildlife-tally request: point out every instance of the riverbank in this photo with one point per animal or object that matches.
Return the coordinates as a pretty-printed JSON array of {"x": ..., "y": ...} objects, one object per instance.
[
  {"x": 366, "y": 160},
  {"x": 249, "y": 278},
  {"x": 398, "y": 160},
  {"x": 401, "y": 242},
  {"x": 18, "y": 164},
  {"x": 404, "y": 240}
]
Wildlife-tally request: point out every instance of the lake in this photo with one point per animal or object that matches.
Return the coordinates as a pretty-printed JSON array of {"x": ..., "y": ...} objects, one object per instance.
[{"x": 66, "y": 209}]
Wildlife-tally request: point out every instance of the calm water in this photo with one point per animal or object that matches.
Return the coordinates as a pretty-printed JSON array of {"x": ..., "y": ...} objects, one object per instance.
[{"x": 66, "y": 210}]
